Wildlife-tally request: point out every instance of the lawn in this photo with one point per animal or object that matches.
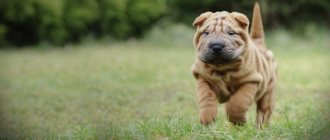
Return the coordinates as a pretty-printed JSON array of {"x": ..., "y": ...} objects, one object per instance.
[{"x": 143, "y": 89}]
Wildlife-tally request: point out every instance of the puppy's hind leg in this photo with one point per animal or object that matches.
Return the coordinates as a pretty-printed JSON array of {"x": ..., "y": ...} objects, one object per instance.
[{"x": 265, "y": 107}]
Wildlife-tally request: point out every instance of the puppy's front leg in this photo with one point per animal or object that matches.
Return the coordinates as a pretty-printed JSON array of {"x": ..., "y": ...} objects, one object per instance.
[
  {"x": 239, "y": 103},
  {"x": 207, "y": 102}
]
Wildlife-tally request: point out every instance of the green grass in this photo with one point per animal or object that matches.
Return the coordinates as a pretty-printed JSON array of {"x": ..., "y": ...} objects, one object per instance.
[{"x": 144, "y": 90}]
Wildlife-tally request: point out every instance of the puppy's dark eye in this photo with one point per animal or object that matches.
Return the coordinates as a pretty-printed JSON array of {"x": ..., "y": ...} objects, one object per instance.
[
  {"x": 232, "y": 33},
  {"x": 205, "y": 33}
]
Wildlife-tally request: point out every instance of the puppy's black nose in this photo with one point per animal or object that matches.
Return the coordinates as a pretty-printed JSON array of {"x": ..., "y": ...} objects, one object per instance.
[{"x": 217, "y": 46}]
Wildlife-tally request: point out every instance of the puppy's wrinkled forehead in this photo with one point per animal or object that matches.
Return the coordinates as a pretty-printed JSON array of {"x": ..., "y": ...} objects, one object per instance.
[{"x": 219, "y": 21}]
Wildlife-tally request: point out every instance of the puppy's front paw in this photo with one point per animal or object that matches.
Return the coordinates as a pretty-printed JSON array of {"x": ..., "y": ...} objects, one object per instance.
[{"x": 207, "y": 116}]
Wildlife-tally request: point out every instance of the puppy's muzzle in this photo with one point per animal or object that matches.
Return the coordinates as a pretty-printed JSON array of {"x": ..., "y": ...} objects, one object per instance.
[{"x": 217, "y": 52}]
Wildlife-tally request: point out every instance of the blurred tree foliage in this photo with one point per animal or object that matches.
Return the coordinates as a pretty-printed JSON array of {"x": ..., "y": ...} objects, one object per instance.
[
  {"x": 274, "y": 12},
  {"x": 61, "y": 21}
]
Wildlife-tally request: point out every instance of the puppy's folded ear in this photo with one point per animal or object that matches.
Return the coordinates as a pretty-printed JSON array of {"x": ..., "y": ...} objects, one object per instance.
[
  {"x": 200, "y": 19},
  {"x": 242, "y": 19}
]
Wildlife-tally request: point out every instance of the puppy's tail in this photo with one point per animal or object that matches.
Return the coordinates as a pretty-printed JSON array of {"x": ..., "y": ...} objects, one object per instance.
[{"x": 257, "y": 30}]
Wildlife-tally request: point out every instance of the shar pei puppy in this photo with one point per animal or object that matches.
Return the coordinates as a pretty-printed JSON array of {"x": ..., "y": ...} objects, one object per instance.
[{"x": 233, "y": 67}]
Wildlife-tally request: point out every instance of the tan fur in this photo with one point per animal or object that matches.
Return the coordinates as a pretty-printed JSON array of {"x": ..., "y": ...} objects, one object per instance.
[{"x": 251, "y": 78}]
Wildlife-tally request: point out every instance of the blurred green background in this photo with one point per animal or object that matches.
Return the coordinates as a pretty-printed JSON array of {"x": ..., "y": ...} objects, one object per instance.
[{"x": 59, "y": 22}]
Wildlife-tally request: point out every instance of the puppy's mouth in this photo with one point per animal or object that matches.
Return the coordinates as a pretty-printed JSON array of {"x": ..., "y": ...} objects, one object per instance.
[
  {"x": 225, "y": 56},
  {"x": 210, "y": 57}
]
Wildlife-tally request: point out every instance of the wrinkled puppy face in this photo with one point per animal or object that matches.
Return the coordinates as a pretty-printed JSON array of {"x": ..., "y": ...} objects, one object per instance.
[{"x": 221, "y": 37}]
